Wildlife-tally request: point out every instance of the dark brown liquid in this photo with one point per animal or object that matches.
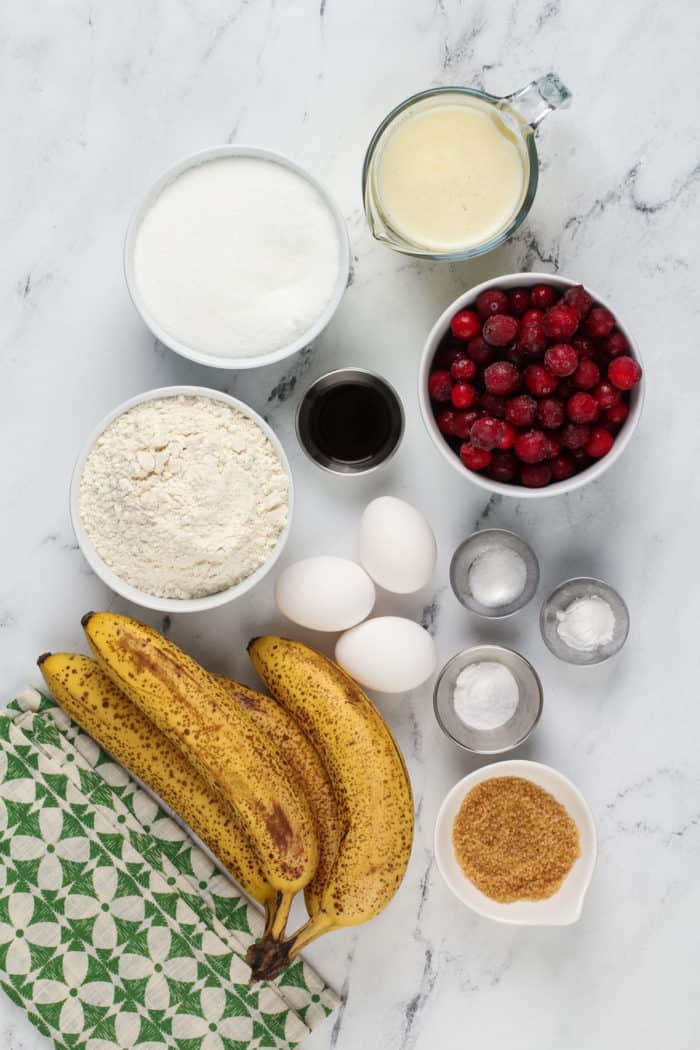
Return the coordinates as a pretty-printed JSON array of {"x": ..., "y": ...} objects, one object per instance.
[{"x": 351, "y": 422}]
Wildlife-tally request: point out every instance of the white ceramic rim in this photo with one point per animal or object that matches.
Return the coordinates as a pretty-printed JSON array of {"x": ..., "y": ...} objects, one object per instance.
[
  {"x": 127, "y": 590},
  {"x": 212, "y": 360},
  {"x": 532, "y": 913},
  {"x": 524, "y": 280}
]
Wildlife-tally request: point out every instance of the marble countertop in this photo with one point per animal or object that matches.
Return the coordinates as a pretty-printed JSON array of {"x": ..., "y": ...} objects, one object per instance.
[{"x": 98, "y": 100}]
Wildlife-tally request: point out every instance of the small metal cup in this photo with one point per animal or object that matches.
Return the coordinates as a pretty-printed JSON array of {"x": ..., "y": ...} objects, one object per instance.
[{"x": 340, "y": 377}]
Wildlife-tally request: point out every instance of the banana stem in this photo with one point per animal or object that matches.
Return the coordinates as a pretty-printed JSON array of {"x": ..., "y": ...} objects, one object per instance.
[
  {"x": 315, "y": 927},
  {"x": 276, "y": 916},
  {"x": 268, "y": 957}
]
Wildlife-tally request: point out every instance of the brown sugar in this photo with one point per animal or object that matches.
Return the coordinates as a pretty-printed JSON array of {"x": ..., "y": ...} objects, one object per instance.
[{"x": 513, "y": 840}]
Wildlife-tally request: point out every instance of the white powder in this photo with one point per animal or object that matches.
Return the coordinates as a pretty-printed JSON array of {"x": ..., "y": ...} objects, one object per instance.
[
  {"x": 237, "y": 257},
  {"x": 586, "y": 624},
  {"x": 183, "y": 496},
  {"x": 486, "y": 695},
  {"x": 497, "y": 577}
]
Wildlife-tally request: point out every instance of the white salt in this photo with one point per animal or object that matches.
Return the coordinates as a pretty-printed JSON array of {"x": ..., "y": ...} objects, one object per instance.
[
  {"x": 497, "y": 577},
  {"x": 485, "y": 696}
]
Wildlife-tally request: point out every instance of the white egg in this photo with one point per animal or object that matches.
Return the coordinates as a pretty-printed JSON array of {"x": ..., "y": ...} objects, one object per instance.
[
  {"x": 389, "y": 654},
  {"x": 325, "y": 593},
  {"x": 397, "y": 546}
]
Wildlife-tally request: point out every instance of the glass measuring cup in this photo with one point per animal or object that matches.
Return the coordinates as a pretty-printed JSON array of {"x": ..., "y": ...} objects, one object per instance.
[{"x": 516, "y": 117}]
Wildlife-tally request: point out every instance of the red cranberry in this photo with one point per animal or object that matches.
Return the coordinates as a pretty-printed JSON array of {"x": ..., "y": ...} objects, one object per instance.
[
  {"x": 508, "y": 437},
  {"x": 560, "y": 322},
  {"x": 585, "y": 377},
  {"x": 581, "y": 459},
  {"x": 480, "y": 352},
  {"x": 446, "y": 356},
  {"x": 532, "y": 340},
  {"x": 501, "y": 378},
  {"x": 581, "y": 408},
  {"x": 440, "y": 386},
  {"x": 521, "y": 411},
  {"x": 599, "y": 443},
  {"x": 599, "y": 323},
  {"x": 493, "y": 405},
  {"x": 474, "y": 458},
  {"x": 532, "y": 446},
  {"x": 583, "y": 346},
  {"x": 624, "y": 372},
  {"x": 519, "y": 300},
  {"x": 532, "y": 317},
  {"x": 553, "y": 446},
  {"x": 579, "y": 298},
  {"x": 462, "y": 423},
  {"x": 563, "y": 467},
  {"x": 561, "y": 359},
  {"x": 486, "y": 433},
  {"x": 616, "y": 344},
  {"x": 550, "y": 413},
  {"x": 539, "y": 381},
  {"x": 535, "y": 476},
  {"x": 606, "y": 395},
  {"x": 463, "y": 395},
  {"x": 618, "y": 413},
  {"x": 500, "y": 330},
  {"x": 503, "y": 467},
  {"x": 492, "y": 301},
  {"x": 446, "y": 421},
  {"x": 574, "y": 436},
  {"x": 542, "y": 296},
  {"x": 465, "y": 325},
  {"x": 463, "y": 369}
]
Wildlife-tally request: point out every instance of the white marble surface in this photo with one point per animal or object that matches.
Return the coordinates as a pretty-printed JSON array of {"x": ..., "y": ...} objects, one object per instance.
[{"x": 97, "y": 99}]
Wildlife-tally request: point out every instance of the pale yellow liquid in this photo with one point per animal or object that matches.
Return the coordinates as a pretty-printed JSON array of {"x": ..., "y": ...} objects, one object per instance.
[{"x": 450, "y": 176}]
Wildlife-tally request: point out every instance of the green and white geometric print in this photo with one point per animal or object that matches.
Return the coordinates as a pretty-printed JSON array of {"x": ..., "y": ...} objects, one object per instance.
[{"x": 117, "y": 932}]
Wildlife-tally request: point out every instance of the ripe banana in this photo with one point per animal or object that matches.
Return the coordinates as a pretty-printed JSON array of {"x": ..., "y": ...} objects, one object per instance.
[
  {"x": 102, "y": 710},
  {"x": 371, "y": 786},
  {"x": 223, "y": 744}
]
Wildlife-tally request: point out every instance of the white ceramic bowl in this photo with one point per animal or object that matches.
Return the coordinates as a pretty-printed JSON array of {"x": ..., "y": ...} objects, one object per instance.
[
  {"x": 565, "y": 906},
  {"x": 191, "y": 352},
  {"x": 523, "y": 280},
  {"x": 116, "y": 583}
]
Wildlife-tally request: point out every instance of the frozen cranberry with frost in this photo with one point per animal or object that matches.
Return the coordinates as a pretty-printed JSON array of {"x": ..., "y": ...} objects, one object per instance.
[
  {"x": 445, "y": 420},
  {"x": 550, "y": 413},
  {"x": 508, "y": 437},
  {"x": 531, "y": 446},
  {"x": 560, "y": 322},
  {"x": 532, "y": 316},
  {"x": 535, "y": 475},
  {"x": 579, "y": 298},
  {"x": 542, "y": 296},
  {"x": 532, "y": 341},
  {"x": 474, "y": 458},
  {"x": 574, "y": 436},
  {"x": 464, "y": 369},
  {"x": 521, "y": 411},
  {"x": 519, "y": 300},
  {"x": 539, "y": 381},
  {"x": 583, "y": 346},
  {"x": 440, "y": 386},
  {"x": 480, "y": 352},
  {"x": 493, "y": 405},
  {"x": 486, "y": 433},
  {"x": 501, "y": 378},
  {"x": 503, "y": 467},
  {"x": 561, "y": 359},
  {"x": 463, "y": 395},
  {"x": 599, "y": 443},
  {"x": 463, "y": 422},
  {"x": 500, "y": 330},
  {"x": 492, "y": 301},
  {"x": 624, "y": 372},
  {"x": 606, "y": 395},
  {"x": 587, "y": 375},
  {"x": 465, "y": 325},
  {"x": 563, "y": 467},
  {"x": 582, "y": 408},
  {"x": 553, "y": 445},
  {"x": 618, "y": 413},
  {"x": 599, "y": 323},
  {"x": 616, "y": 344}
]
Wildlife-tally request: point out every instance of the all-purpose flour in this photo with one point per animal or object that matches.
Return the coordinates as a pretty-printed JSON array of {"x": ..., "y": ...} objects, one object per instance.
[
  {"x": 237, "y": 257},
  {"x": 183, "y": 496}
]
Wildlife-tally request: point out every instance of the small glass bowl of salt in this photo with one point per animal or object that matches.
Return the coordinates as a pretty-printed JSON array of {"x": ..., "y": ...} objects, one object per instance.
[
  {"x": 494, "y": 573},
  {"x": 584, "y": 621},
  {"x": 488, "y": 699}
]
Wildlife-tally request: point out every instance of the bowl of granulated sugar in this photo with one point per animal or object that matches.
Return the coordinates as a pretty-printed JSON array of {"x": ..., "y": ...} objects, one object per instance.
[
  {"x": 182, "y": 499},
  {"x": 236, "y": 257}
]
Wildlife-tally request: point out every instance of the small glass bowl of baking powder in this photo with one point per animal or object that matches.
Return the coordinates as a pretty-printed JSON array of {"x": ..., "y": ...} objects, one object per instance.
[
  {"x": 494, "y": 573},
  {"x": 488, "y": 699},
  {"x": 584, "y": 621}
]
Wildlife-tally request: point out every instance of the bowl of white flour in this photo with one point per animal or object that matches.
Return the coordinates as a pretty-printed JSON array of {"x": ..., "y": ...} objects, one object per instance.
[
  {"x": 182, "y": 499},
  {"x": 236, "y": 257}
]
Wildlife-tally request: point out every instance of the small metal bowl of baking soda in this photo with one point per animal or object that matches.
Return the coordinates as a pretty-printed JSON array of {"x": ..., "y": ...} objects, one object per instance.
[
  {"x": 584, "y": 621},
  {"x": 494, "y": 573}
]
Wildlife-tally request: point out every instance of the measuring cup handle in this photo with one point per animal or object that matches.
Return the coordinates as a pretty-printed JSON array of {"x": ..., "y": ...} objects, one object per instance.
[{"x": 539, "y": 98}]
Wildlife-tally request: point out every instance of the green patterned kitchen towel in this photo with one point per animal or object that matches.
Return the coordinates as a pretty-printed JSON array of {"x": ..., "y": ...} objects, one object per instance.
[{"x": 117, "y": 932}]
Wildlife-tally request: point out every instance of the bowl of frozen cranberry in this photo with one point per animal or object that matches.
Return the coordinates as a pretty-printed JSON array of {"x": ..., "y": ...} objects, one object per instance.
[{"x": 530, "y": 385}]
